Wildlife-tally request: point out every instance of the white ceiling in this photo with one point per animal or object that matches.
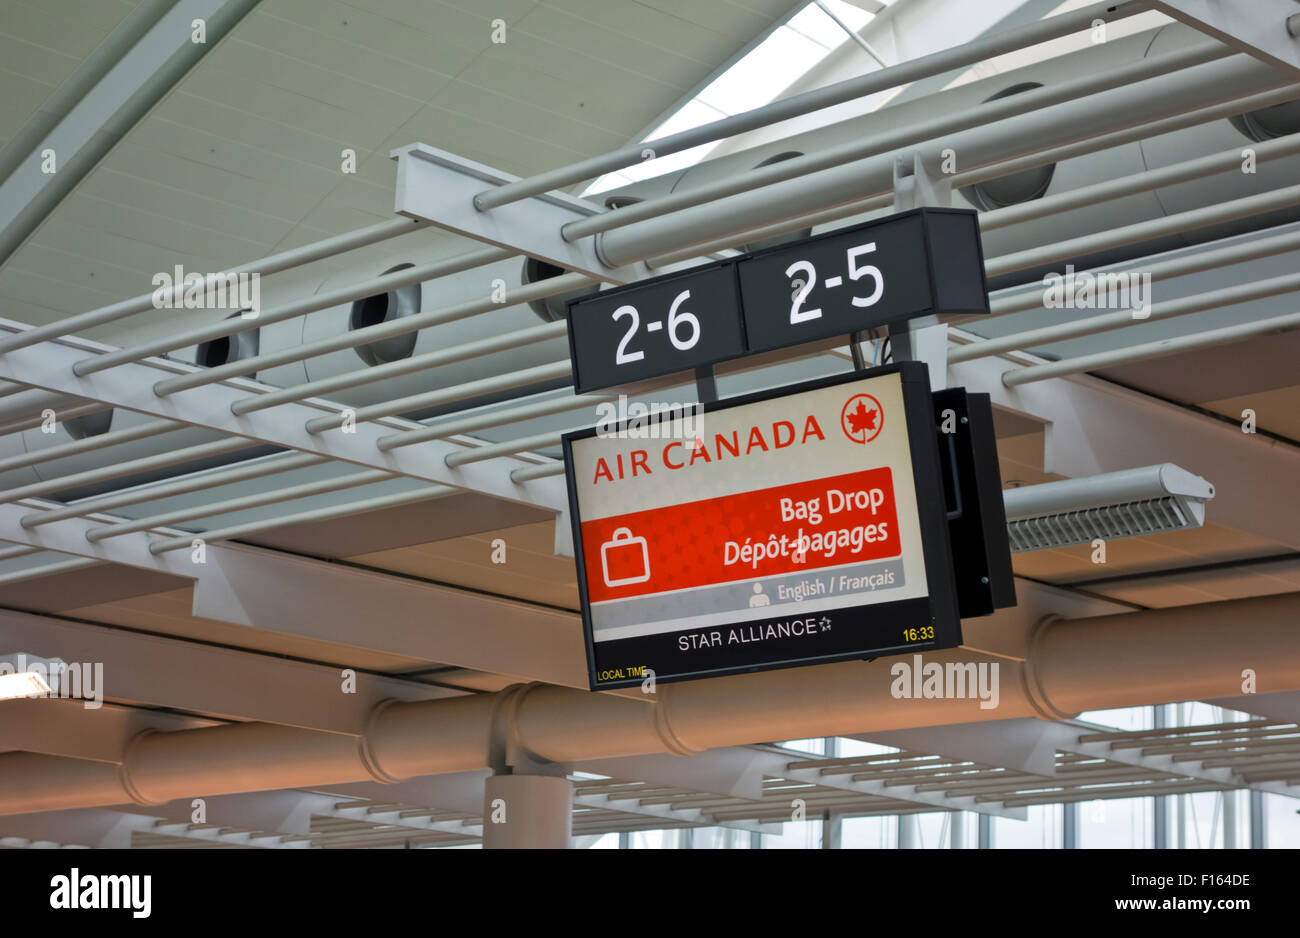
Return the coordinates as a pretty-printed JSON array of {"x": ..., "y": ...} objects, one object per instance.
[{"x": 243, "y": 156}]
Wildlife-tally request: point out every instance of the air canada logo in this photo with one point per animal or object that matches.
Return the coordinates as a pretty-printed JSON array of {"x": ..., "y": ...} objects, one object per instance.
[{"x": 862, "y": 418}]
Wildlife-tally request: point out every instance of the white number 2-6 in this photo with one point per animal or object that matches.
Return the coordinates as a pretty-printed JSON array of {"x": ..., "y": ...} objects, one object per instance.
[{"x": 678, "y": 321}]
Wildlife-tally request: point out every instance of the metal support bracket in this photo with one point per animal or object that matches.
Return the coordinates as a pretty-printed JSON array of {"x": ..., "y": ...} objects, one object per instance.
[
  {"x": 1261, "y": 28},
  {"x": 439, "y": 187}
]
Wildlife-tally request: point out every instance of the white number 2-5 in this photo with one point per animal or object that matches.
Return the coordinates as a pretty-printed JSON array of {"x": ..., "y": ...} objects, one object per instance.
[{"x": 807, "y": 279}]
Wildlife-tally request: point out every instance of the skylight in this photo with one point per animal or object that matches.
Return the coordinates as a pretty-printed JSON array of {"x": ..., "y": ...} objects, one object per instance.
[{"x": 772, "y": 66}]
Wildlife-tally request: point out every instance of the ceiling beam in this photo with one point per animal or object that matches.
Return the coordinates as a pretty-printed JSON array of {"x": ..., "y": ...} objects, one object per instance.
[
  {"x": 156, "y": 671},
  {"x": 299, "y": 596}
]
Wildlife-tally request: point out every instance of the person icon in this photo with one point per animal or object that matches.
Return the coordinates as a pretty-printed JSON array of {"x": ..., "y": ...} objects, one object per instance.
[{"x": 759, "y": 598}]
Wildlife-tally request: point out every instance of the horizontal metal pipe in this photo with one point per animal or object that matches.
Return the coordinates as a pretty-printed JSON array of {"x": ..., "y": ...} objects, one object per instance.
[
  {"x": 457, "y": 392},
  {"x": 470, "y": 423},
  {"x": 889, "y": 142},
  {"x": 986, "y": 47},
  {"x": 524, "y": 294},
  {"x": 1192, "y": 263},
  {"x": 1192, "y": 219},
  {"x": 540, "y": 471},
  {"x": 304, "y": 517},
  {"x": 57, "y": 566},
  {"x": 1072, "y": 666},
  {"x": 1148, "y": 350},
  {"x": 130, "y": 467},
  {"x": 507, "y": 448},
  {"x": 446, "y": 356},
  {"x": 884, "y": 197},
  {"x": 1128, "y": 107},
  {"x": 294, "y": 257},
  {"x": 1186, "y": 171},
  {"x": 91, "y": 443},
  {"x": 307, "y": 304},
  {"x": 1091, "y": 325},
  {"x": 71, "y": 413},
  {"x": 285, "y": 494},
  {"x": 253, "y": 469}
]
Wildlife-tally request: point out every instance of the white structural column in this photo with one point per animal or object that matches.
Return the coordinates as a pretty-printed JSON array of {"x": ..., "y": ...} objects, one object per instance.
[{"x": 527, "y": 812}]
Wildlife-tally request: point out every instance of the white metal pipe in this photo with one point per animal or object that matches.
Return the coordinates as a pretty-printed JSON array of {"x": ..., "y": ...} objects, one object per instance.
[
  {"x": 117, "y": 470},
  {"x": 275, "y": 263},
  {"x": 1213, "y": 164},
  {"x": 1148, "y": 350},
  {"x": 970, "y": 53},
  {"x": 884, "y": 197},
  {"x": 83, "y": 410},
  {"x": 1105, "y": 662},
  {"x": 469, "y": 423},
  {"x": 1091, "y": 325},
  {"x": 308, "y": 304},
  {"x": 288, "y": 493},
  {"x": 1203, "y": 217},
  {"x": 457, "y": 392},
  {"x": 1128, "y": 107},
  {"x": 57, "y": 566},
  {"x": 91, "y": 443},
  {"x": 267, "y": 465},
  {"x": 540, "y": 471},
  {"x": 524, "y": 294},
  {"x": 351, "y": 379},
  {"x": 988, "y": 113},
  {"x": 303, "y": 517},
  {"x": 506, "y": 448},
  {"x": 1193, "y": 263}
]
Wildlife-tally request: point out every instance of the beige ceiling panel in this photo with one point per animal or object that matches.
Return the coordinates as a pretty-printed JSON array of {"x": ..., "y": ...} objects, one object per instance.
[
  {"x": 24, "y": 62},
  {"x": 66, "y": 29},
  {"x": 292, "y": 110},
  {"x": 526, "y": 118},
  {"x": 594, "y": 54},
  {"x": 95, "y": 16},
  {"x": 55, "y": 293},
  {"x": 664, "y": 30},
  {"x": 302, "y": 153},
  {"x": 201, "y": 180},
  {"x": 733, "y": 17},
  {"x": 46, "y": 260},
  {"x": 368, "y": 50},
  {"x": 125, "y": 220},
  {"x": 174, "y": 205},
  {"x": 1277, "y": 411}
]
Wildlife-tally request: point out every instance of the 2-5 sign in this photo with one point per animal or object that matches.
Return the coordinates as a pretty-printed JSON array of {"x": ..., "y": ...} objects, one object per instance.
[
  {"x": 656, "y": 327},
  {"x": 911, "y": 264}
]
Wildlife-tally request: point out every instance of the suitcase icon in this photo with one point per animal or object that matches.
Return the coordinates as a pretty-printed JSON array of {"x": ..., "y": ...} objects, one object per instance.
[{"x": 625, "y": 559}]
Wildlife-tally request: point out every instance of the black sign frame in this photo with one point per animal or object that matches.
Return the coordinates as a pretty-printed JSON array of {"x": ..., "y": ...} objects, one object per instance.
[
  {"x": 954, "y": 280},
  {"x": 939, "y": 609}
]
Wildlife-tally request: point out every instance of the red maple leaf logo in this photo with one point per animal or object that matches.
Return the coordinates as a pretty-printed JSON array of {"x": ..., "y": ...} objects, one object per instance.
[
  {"x": 862, "y": 420},
  {"x": 862, "y": 423}
]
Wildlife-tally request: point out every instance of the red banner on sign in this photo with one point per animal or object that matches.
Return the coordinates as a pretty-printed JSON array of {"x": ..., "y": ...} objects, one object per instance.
[{"x": 784, "y": 529}]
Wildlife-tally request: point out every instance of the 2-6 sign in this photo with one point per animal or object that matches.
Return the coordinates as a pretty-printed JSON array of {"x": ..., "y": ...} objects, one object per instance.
[
  {"x": 655, "y": 327},
  {"x": 911, "y": 264}
]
